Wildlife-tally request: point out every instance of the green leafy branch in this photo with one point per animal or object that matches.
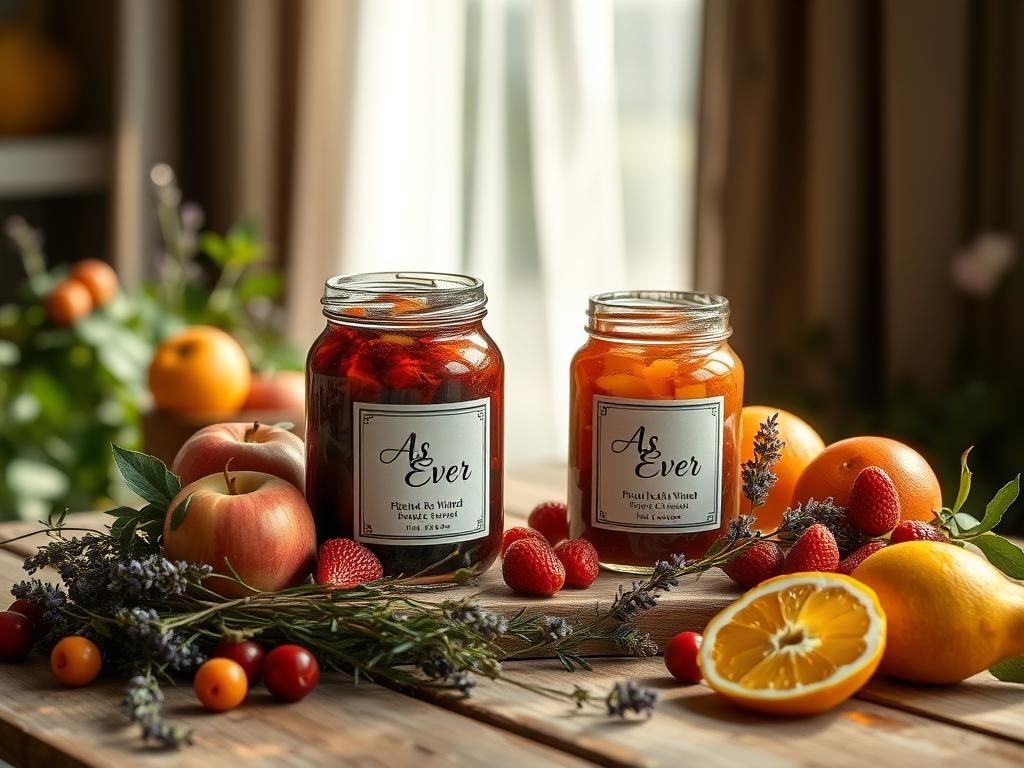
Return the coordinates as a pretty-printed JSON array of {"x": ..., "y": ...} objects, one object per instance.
[{"x": 964, "y": 528}]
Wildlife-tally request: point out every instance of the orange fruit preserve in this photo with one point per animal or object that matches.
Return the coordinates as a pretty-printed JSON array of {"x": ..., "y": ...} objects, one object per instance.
[{"x": 656, "y": 395}]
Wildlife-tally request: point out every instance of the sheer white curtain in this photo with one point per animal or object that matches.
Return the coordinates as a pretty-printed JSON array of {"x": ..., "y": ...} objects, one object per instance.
[{"x": 545, "y": 146}]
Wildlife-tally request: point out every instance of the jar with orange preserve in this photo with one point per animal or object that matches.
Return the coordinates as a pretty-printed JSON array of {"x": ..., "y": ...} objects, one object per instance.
[
  {"x": 404, "y": 393},
  {"x": 656, "y": 395}
]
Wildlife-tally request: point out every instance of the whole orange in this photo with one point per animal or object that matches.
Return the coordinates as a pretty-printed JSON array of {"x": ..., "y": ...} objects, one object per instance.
[
  {"x": 68, "y": 303},
  {"x": 200, "y": 370},
  {"x": 833, "y": 471},
  {"x": 98, "y": 277},
  {"x": 802, "y": 445}
]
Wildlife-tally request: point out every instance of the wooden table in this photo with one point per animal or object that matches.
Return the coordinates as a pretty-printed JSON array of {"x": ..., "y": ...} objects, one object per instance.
[{"x": 980, "y": 722}]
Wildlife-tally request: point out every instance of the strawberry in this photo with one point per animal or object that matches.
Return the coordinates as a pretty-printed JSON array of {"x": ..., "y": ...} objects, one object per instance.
[
  {"x": 849, "y": 563},
  {"x": 915, "y": 530},
  {"x": 343, "y": 563},
  {"x": 758, "y": 562},
  {"x": 517, "y": 533},
  {"x": 815, "y": 550},
  {"x": 551, "y": 518},
  {"x": 531, "y": 566},
  {"x": 874, "y": 505},
  {"x": 580, "y": 560}
]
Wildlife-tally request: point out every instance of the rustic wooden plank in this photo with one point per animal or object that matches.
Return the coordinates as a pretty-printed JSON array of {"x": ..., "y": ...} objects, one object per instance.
[
  {"x": 42, "y": 723},
  {"x": 982, "y": 703},
  {"x": 693, "y": 724},
  {"x": 687, "y": 607}
]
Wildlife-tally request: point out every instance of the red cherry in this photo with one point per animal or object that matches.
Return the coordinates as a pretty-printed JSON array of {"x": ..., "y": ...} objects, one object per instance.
[
  {"x": 681, "y": 657},
  {"x": 248, "y": 654},
  {"x": 33, "y": 612},
  {"x": 17, "y": 636},
  {"x": 290, "y": 672}
]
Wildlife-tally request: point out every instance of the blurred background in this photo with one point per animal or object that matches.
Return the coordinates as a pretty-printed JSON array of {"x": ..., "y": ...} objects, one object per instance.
[{"x": 849, "y": 173}]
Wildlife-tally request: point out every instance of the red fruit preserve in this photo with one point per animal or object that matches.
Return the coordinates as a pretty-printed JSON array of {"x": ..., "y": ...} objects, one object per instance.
[
  {"x": 656, "y": 396},
  {"x": 404, "y": 404}
]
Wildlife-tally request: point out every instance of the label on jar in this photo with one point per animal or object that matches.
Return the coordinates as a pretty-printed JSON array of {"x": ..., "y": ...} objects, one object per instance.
[
  {"x": 657, "y": 464},
  {"x": 422, "y": 473}
]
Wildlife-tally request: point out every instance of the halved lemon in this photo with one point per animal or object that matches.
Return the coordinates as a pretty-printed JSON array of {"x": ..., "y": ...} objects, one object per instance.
[{"x": 796, "y": 644}]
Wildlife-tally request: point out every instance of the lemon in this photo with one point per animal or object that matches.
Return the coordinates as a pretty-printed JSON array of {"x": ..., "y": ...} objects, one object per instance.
[
  {"x": 796, "y": 644},
  {"x": 951, "y": 614}
]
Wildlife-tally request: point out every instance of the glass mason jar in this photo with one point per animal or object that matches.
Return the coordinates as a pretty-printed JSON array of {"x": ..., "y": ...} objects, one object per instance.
[
  {"x": 656, "y": 395},
  {"x": 404, "y": 403}
]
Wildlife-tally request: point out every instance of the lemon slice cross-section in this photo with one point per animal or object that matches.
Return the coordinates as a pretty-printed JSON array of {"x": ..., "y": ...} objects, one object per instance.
[{"x": 796, "y": 644}]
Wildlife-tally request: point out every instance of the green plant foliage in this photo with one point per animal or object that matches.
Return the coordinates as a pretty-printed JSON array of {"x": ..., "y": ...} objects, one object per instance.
[{"x": 67, "y": 394}]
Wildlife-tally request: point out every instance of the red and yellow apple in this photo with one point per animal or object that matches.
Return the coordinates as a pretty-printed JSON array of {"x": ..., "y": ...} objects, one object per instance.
[
  {"x": 252, "y": 447},
  {"x": 251, "y": 524},
  {"x": 277, "y": 391}
]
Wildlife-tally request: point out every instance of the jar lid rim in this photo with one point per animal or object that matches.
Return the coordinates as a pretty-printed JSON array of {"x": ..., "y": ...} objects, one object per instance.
[
  {"x": 443, "y": 298},
  {"x": 660, "y": 315}
]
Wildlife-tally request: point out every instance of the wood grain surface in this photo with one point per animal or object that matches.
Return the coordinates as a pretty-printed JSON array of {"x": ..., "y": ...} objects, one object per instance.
[{"x": 980, "y": 721}]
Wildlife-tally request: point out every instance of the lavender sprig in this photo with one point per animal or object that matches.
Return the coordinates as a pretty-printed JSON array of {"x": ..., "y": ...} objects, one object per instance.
[{"x": 758, "y": 477}]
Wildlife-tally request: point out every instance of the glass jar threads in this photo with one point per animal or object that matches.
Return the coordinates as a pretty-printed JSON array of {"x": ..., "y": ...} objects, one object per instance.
[
  {"x": 655, "y": 397},
  {"x": 404, "y": 404}
]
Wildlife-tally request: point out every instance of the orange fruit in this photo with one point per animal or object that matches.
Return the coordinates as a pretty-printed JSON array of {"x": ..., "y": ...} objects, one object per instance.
[
  {"x": 833, "y": 471},
  {"x": 68, "y": 303},
  {"x": 200, "y": 370},
  {"x": 98, "y": 277},
  {"x": 802, "y": 445},
  {"x": 795, "y": 645}
]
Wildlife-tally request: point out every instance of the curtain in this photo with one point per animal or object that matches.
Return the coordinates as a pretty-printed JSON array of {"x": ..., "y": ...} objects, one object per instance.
[
  {"x": 488, "y": 137},
  {"x": 862, "y": 173}
]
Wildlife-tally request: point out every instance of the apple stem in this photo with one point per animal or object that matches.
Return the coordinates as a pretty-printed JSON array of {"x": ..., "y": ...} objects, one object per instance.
[
  {"x": 250, "y": 432},
  {"x": 229, "y": 481}
]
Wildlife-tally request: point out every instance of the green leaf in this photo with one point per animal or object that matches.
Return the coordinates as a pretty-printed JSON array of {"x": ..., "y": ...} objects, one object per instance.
[
  {"x": 1003, "y": 554},
  {"x": 147, "y": 476},
  {"x": 213, "y": 245},
  {"x": 995, "y": 509},
  {"x": 266, "y": 284},
  {"x": 1010, "y": 670},
  {"x": 965, "y": 481},
  {"x": 178, "y": 515}
]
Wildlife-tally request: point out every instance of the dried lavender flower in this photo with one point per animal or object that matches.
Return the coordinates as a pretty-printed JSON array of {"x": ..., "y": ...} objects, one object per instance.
[
  {"x": 142, "y": 703},
  {"x": 758, "y": 478},
  {"x": 555, "y": 628},
  {"x": 631, "y": 697},
  {"x": 488, "y": 624},
  {"x": 798, "y": 519}
]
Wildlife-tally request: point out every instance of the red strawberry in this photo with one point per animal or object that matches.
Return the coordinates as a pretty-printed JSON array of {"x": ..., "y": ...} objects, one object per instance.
[
  {"x": 874, "y": 505},
  {"x": 531, "y": 566},
  {"x": 580, "y": 560},
  {"x": 815, "y": 550},
  {"x": 551, "y": 518},
  {"x": 343, "y": 563},
  {"x": 758, "y": 562},
  {"x": 849, "y": 563},
  {"x": 517, "y": 533},
  {"x": 916, "y": 530}
]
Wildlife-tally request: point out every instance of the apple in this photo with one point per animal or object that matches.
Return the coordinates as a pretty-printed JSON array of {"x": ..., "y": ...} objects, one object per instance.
[
  {"x": 277, "y": 391},
  {"x": 258, "y": 523},
  {"x": 252, "y": 447}
]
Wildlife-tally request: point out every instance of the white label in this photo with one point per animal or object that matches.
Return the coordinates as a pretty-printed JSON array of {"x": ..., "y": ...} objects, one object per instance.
[
  {"x": 422, "y": 472},
  {"x": 657, "y": 464}
]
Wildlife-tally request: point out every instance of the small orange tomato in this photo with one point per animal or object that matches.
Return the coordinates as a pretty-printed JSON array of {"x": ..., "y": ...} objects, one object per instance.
[
  {"x": 76, "y": 661},
  {"x": 98, "y": 277},
  {"x": 68, "y": 303},
  {"x": 221, "y": 684}
]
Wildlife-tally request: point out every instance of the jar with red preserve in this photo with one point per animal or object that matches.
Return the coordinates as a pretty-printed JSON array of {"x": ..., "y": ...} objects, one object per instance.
[
  {"x": 656, "y": 394},
  {"x": 404, "y": 403}
]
